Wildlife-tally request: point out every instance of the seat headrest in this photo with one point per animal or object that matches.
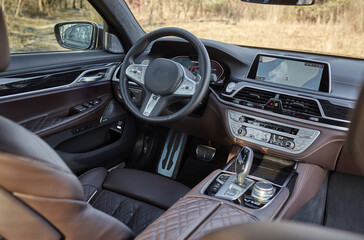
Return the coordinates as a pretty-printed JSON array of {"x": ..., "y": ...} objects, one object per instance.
[{"x": 4, "y": 44}]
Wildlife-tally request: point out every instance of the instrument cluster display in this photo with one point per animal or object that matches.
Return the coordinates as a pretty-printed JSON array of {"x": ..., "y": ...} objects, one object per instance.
[{"x": 217, "y": 71}]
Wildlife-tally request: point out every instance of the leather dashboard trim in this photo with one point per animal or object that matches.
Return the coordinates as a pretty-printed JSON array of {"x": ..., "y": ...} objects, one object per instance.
[{"x": 309, "y": 180}]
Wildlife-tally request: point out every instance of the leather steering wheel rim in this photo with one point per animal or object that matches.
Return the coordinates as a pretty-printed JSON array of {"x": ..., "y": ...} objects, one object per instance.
[{"x": 201, "y": 87}]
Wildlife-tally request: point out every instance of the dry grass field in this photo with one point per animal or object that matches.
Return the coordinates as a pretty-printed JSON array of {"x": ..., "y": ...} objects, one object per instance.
[
  {"x": 331, "y": 26},
  {"x": 331, "y": 39}
]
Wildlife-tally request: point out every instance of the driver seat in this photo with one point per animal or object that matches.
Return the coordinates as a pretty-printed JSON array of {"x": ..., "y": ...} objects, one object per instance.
[{"x": 42, "y": 199}]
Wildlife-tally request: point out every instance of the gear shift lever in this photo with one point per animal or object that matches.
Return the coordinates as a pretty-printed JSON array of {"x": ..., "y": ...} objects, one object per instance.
[{"x": 243, "y": 163}]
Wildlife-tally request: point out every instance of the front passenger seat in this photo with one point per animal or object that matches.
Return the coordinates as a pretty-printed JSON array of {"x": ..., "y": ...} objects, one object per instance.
[{"x": 40, "y": 198}]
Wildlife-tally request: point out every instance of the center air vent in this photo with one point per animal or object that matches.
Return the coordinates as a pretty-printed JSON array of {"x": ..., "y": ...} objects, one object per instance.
[
  {"x": 299, "y": 105},
  {"x": 254, "y": 95}
]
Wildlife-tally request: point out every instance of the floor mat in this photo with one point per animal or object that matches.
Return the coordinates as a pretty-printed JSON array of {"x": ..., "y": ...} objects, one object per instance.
[
  {"x": 345, "y": 202},
  {"x": 314, "y": 210}
]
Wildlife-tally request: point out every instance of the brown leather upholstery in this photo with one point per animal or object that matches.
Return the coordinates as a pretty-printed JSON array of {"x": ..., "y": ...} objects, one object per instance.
[
  {"x": 32, "y": 173},
  {"x": 192, "y": 217},
  {"x": 351, "y": 159},
  {"x": 37, "y": 227},
  {"x": 280, "y": 231},
  {"x": 35, "y": 175},
  {"x": 134, "y": 197},
  {"x": 4, "y": 44}
]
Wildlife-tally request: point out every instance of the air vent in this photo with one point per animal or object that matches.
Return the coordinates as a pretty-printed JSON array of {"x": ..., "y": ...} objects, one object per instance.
[
  {"x": 300, "y": 105},
  {"x": 254, "y": 95},
  {"x": 335, "y": 111}
]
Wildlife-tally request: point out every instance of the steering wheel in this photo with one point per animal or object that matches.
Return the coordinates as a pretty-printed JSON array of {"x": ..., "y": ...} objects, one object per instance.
[{"x": 163, "y": 80}]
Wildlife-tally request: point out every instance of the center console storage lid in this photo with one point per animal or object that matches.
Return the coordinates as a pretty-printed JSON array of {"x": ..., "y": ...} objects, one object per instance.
[{"x": 193, "y": 217}]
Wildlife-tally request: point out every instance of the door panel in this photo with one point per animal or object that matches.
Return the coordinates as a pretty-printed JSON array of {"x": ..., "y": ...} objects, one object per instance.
[
  {"x": 67, "y": 99},
  {"x": 103, "y": 145},
  {"x": 52, "y": 112}
]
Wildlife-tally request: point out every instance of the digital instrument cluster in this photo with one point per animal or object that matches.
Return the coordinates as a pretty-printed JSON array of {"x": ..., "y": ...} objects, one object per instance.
[{"x": 190, "y": 63}]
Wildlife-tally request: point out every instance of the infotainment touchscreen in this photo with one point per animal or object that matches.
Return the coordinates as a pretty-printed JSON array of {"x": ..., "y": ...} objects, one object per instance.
[{"x": 292, "y": 72}]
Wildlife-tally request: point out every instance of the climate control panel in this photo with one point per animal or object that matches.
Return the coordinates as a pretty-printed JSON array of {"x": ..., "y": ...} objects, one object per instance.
[{"x": 271, "y": 134}]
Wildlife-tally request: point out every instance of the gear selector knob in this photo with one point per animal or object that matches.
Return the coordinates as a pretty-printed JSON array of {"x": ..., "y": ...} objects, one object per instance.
[{"x": 243, "y": 164}]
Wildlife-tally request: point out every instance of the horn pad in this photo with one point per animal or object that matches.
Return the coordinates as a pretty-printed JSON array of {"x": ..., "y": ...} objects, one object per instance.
[{"x": 163, "y": 76}]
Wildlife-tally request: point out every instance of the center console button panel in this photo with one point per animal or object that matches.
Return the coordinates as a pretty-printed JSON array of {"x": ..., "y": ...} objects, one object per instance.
[
  {"x": 230, "y": 190},
  {"x": 271, "y": 134},
  {"x": 254, "y": 193}
]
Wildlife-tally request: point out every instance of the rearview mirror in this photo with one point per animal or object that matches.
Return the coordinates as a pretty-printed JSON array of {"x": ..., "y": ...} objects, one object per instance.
[
  {"x": 79, "y": 35},
  {"x": 283, "y": 2}
]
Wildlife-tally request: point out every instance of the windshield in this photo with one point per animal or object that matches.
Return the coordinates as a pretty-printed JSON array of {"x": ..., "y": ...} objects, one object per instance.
[{"x": 332, "y": 27}]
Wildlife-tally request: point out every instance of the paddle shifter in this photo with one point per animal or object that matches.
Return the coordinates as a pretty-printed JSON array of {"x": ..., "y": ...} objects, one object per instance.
[{"x": 243, "y": 164}]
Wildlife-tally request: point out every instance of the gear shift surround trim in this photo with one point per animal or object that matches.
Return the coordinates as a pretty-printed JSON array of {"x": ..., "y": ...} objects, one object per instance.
[{"x": 232, "y": 191}]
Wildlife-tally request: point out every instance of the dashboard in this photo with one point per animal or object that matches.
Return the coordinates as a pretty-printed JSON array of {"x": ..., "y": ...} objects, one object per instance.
[{"x": 302, "y": 116}]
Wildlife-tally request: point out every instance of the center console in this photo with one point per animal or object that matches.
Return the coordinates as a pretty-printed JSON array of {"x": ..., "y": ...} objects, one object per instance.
[{"x": 251, "y": 187}]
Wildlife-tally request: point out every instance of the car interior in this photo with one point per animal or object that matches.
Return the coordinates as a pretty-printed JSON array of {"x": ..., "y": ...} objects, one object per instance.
[{"x": 177, "y": 137}]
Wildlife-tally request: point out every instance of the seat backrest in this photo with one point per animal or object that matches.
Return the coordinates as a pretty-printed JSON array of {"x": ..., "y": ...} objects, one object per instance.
[
  {"x": 351, "y": 159},
  {"x": 40, "y": 196}
]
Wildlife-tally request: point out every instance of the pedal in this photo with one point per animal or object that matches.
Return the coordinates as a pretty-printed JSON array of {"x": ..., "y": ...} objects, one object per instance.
[
  {"x": 205, "y": 153},
  {"x": 172, "y": 153}
]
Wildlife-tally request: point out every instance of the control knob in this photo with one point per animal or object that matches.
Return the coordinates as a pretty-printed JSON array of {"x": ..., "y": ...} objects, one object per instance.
[
  {"x": 230, "y": 87},
  {"x": 242, "y": 131},
  {"x": 289, "y": 144},
  {"x": 263, "y": 191}
]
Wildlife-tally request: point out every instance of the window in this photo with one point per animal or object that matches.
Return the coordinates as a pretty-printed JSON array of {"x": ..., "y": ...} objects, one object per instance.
[{"x": 31, "y": 22}]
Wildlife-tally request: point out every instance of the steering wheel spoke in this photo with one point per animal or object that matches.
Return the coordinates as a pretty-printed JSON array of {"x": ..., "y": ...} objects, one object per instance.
[
  {"x": 136, "y": 73},
  {"x": 188, "y": 86},
  {"x": 153, "y": 104}
]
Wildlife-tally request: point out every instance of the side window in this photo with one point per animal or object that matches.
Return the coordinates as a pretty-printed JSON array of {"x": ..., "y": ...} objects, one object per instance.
[{"x": 52, "y": 25}]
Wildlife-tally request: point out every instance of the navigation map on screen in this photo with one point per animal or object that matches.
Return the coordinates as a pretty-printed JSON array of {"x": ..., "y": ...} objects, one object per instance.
[{"x": 290, "y": 72}]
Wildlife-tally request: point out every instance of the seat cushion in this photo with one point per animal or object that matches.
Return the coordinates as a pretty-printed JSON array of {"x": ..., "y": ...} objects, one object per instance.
[{"x": 134, "y": 197}]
